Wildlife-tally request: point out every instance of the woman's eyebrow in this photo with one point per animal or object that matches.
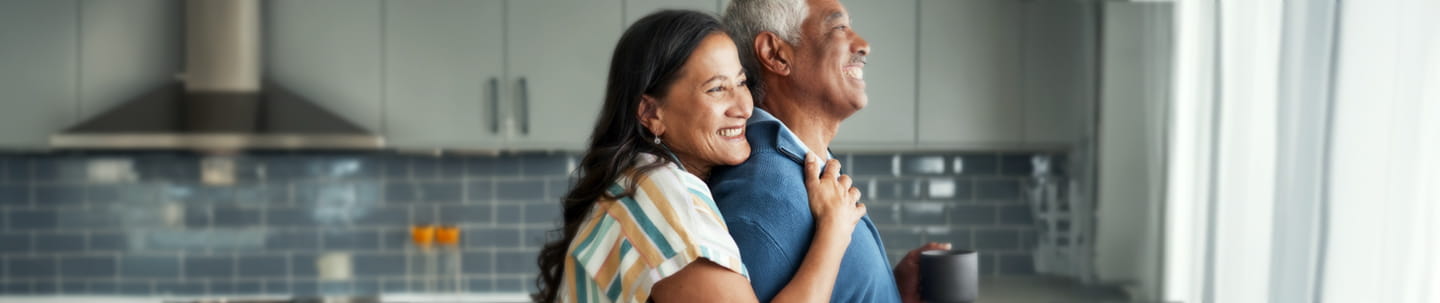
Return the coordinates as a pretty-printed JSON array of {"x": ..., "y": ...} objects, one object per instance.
[{"x": 712, "y": 79}]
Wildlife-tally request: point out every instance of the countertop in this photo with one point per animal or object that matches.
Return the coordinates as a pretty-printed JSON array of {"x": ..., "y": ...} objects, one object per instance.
[
  {"x": 1018, "y": 289},
  {"x": 392, "y": 298},
  {"x": 1037, "y": 289}
]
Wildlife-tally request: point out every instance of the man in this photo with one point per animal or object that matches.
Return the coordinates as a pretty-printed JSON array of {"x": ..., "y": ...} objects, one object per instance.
[{"x": 809, "y": 66}]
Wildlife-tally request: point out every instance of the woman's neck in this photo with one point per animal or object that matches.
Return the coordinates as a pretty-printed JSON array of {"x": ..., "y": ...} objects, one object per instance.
[{"x": 701, "y": 171}]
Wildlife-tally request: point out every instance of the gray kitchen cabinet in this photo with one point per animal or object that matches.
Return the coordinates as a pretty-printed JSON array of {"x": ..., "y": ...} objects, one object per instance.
[
  {"x": 496, "y": 74},
  {"x": 558, "y": 55},
  {"x": 38, "y": 70},
  {"x": 444, "y": 66},
  {"x": 1059, "y": 70},
  {"x": 130, "y": 48},
  {"x": 970, "y": 75},
  {"x": 887, "y": 119},
  {"x": 636, "y": 9},
  {"x": 328, "y": 51}
]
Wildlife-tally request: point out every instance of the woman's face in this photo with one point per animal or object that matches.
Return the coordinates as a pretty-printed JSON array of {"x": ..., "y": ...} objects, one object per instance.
[{"x": 701, "y": 117}]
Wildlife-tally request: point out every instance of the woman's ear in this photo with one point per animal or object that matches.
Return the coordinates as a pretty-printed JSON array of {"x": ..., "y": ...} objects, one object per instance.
[
  {"x": 650, "y": 116},
  {"x": 773, "y": 53}
]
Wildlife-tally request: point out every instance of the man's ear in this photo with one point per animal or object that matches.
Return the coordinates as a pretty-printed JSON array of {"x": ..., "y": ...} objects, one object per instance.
[
  {"x": 650, "y": 116},
  {"x": 773, "y": 53}
]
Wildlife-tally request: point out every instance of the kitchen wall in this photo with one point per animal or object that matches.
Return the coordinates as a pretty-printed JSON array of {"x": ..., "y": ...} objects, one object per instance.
[{"x": 144, "y": 224}]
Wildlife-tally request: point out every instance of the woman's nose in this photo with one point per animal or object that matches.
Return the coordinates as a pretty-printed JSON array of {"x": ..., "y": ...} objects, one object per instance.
[{"x": 741, "y": 107}]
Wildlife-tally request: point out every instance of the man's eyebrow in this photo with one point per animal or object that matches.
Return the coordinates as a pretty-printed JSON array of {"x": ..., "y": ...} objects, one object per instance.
[{"x": 834, "y": 16}]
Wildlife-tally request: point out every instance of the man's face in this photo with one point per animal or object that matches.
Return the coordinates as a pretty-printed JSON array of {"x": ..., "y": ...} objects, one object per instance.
[{"x": 830, "y": 60}]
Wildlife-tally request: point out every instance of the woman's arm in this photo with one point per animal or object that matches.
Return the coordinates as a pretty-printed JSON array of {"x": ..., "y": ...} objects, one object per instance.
[{"x": 832, "y": 202}]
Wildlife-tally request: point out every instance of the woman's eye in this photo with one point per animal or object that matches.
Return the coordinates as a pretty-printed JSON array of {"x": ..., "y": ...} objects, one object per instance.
[
  {"x": 715, "y": 89},
  {"x": 743, "y": 83}
]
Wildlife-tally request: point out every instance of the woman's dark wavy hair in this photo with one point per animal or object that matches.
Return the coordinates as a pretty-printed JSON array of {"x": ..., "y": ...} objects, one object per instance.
[{"x": 647, "y": 61}]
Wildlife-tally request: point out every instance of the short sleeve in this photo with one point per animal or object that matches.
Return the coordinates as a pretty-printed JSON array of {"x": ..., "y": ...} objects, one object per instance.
[
  {"x": 702, "y": 232},
  {"x": 711, "y": 237},
  {"x": 668, "y": 223}
]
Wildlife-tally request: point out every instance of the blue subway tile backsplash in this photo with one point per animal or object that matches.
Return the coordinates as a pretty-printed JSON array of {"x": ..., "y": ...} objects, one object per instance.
[{"x": 146, "y": 223}]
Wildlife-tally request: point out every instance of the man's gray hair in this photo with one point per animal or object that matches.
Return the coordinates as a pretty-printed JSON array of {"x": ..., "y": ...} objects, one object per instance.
[{"x": 746, "y": 19}]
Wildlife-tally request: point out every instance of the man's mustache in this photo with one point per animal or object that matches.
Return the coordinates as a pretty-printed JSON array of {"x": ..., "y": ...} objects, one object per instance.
[{"x": 857, "y": 59}]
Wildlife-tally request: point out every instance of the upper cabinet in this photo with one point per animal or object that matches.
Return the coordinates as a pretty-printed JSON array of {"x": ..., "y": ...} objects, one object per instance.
[
  {"x": 970, "y": 76},
  {"x": 636, "y": 9},
  {"x": 131, "y": 48},
  {"x": 558, "y": 55},
  {"x": 1003, "y": 74},
  {"x": 328, "y": 51},
  {"x": 531, "y": 74},
  {"x": 63, "y": 61},
  {"x": 444, "y": 68},
  {"x": 38, "y": 70},
  {"x": 490, "y": 74},
  {"x": 887, "y": 119},
  {"x": 1060, "y": 74}
]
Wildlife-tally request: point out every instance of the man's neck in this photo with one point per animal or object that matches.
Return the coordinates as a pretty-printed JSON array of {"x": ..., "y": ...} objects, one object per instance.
[{"x": 811, "y": 125}]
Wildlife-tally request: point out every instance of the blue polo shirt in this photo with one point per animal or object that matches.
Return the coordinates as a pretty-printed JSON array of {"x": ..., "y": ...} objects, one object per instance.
[{"x": 767, "y": 208}]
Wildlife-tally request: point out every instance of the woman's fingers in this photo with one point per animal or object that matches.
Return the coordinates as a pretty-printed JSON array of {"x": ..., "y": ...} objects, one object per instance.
[
  {"x": 812, "y": 166},
  {"x": 832, "y": 169}
]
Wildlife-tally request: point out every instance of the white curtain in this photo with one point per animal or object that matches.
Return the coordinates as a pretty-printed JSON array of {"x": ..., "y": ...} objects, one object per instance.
[
  {"x": 1304, "y": 152},
  {"x": 1383, "y": 241}
]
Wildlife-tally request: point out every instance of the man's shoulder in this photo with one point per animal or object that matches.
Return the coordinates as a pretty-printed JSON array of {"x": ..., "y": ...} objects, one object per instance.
[
  {"x": 765, "y": 170},
  {"x": 766, "y": 180}
]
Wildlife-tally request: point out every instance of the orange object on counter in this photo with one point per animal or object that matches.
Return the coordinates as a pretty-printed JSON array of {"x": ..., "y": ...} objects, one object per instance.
[
  {"x": 422, "y": 234},
  {"x": 447, "y": 235}
]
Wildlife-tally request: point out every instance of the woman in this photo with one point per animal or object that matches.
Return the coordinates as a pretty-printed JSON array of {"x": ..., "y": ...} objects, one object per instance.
[{"x": 640, "y": 224}]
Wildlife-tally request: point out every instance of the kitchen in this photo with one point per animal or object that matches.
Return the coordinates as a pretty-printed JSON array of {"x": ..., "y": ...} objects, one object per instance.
[{"x": 415, "y": 151}]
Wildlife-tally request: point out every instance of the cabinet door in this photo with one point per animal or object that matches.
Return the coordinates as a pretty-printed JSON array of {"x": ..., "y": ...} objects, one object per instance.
[
  {"x": 444, "y": 65},
  {"x": 888, "y": 120},
  {"x": 970, "y": 73},
  {"x": 1059, "y": 86},
  {"x": 37, "y": 70},
  {"x": 329, "y": 52},
  {"x": 131, "y": 48},
  {"x": 558, "y": 55},
  {"x": 636, "y": 9}
]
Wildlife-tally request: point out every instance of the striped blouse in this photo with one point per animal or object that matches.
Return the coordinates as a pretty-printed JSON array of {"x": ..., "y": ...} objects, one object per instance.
[{"x": 625, "y": 246}]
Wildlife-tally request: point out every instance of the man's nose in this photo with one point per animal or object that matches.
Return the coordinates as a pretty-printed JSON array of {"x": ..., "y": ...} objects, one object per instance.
[{"x": 861, "y": 46}]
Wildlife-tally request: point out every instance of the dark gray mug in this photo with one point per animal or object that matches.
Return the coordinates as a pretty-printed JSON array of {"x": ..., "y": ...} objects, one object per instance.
[{"x": 949, "y": 276}]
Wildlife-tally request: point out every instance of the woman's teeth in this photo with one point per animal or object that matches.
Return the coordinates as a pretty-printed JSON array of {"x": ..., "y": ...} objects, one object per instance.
[
  {"x": 855, "y": 73},
  {"x": 731, "y": 132}
]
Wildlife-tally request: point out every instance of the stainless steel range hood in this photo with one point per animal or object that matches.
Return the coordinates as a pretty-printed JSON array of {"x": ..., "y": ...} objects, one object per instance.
[{"x": 219, "y": 104}]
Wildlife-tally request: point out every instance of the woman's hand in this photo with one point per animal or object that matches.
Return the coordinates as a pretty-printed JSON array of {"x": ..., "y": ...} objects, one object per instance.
[{"x": 833, "y": 201}]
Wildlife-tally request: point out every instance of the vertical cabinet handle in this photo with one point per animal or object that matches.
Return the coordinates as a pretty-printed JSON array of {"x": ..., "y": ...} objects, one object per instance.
[
  {"x": 524, "y": 108},
  {"x": 494, "y": 105}
]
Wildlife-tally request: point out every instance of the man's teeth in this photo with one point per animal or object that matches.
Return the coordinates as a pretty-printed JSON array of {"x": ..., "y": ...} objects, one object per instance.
[
  {"x": 855, "y": 72},
  {"x": 731, "y": 132}
]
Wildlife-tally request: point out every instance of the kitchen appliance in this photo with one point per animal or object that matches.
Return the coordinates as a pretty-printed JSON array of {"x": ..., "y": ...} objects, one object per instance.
[{"x": 219, "y": 103}]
